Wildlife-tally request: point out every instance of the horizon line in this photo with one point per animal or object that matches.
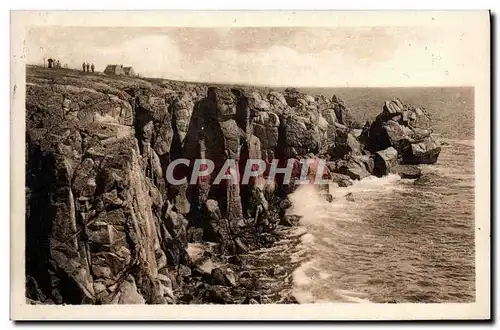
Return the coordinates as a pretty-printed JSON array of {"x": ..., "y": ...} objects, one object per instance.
[{"x": 138, "y": 76}]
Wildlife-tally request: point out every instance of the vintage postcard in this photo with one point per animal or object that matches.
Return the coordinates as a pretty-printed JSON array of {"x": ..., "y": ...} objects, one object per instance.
[{"x": 197, "y": 165}]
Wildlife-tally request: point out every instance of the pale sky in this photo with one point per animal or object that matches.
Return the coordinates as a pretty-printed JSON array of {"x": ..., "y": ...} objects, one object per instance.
[{"x": 281, "y": 56}]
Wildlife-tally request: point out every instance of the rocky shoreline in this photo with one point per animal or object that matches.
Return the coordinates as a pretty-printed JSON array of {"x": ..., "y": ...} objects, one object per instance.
[{"x": 103, "y": 226}]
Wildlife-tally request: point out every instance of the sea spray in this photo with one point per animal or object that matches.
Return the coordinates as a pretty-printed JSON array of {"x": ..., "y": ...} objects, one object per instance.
[{"x": 323, "y": 217}]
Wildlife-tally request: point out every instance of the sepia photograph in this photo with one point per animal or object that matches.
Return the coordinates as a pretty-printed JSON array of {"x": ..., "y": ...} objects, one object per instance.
[{"x": 300, "y": 163}]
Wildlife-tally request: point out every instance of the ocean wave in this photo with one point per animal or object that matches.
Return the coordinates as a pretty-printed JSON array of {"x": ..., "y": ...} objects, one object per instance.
[{"x": 319, "y": 215}]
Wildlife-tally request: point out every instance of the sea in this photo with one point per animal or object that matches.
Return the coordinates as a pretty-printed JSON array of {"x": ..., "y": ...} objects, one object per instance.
[{"x": 394, "y": 240}]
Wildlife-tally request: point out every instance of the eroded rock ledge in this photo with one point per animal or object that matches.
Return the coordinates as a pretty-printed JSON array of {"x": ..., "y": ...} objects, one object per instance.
[{"x": 103, "y": 226}]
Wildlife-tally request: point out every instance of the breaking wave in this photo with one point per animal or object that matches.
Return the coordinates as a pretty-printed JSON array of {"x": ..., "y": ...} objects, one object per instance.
[{"x": 390, "y": 239}]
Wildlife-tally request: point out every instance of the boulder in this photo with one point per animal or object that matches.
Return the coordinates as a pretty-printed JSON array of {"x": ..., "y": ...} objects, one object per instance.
[
  {"x": 219, "y": 294},
  {"x": 383, "y": 134},
  {"x": 384, "y": 160},
  {"x": 417, "y": 117},
  {"x": 393, "y": 108},
  {"x": 425, "y": 152},
  {"x": 128, "y": 294},
  {"x": 355, "y": 168},
  {"x": 345, "y": 144},
  {"x": 407, "y": 171},
  {"x": 223, "y": 276},
  {"x": 341, "y": 179},
  {"x": 350, "y": 197},
  {"x": 265, "y": 128},
  {"x": 328, "y": 197}
]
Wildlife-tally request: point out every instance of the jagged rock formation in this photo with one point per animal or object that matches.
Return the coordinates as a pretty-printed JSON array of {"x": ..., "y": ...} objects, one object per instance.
[
  {"x": 103, "y": 225},
  {"x": 407, "y": 129}
]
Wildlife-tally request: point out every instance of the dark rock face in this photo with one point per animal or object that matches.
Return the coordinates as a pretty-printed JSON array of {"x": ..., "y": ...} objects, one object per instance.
[
  {"x": 425, "y": 152},
  {"x": 405, "y": 128},
  {"x": 103, "y": 224},
  {"x": 384, "y": 160},
  {"x": 356, "y": 168}
]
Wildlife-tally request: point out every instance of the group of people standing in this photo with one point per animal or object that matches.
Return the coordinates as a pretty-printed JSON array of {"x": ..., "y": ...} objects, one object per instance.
[
  {"x": 87, "y": 67},
  {"x": 54, "y": 64}
]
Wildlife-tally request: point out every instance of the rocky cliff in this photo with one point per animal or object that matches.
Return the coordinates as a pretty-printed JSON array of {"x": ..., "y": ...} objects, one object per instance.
[{"x": 104, "y": 226}]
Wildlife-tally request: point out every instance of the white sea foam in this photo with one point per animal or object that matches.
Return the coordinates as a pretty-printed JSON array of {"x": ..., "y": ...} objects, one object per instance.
[
  {"x": 324, "y": 276},
  {"x": 320, "y": 216},
  {"x": 300, "y": 277}
]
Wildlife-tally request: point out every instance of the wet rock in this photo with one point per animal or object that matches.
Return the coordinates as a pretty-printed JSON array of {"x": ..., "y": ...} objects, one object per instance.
[
  {"x": 284, "y": 205},
  {"x": 407, "y": 171},
  {"x": 384, "y": 160},
  {"x": 223, "y": 276},
  {"x": 355, "y": 168},
  {"x": 341, "y": 179},
  {"x": 290, "y": 220},
  {"x": 350, "y": 197},
  {"x": 425, "y": 152}
]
